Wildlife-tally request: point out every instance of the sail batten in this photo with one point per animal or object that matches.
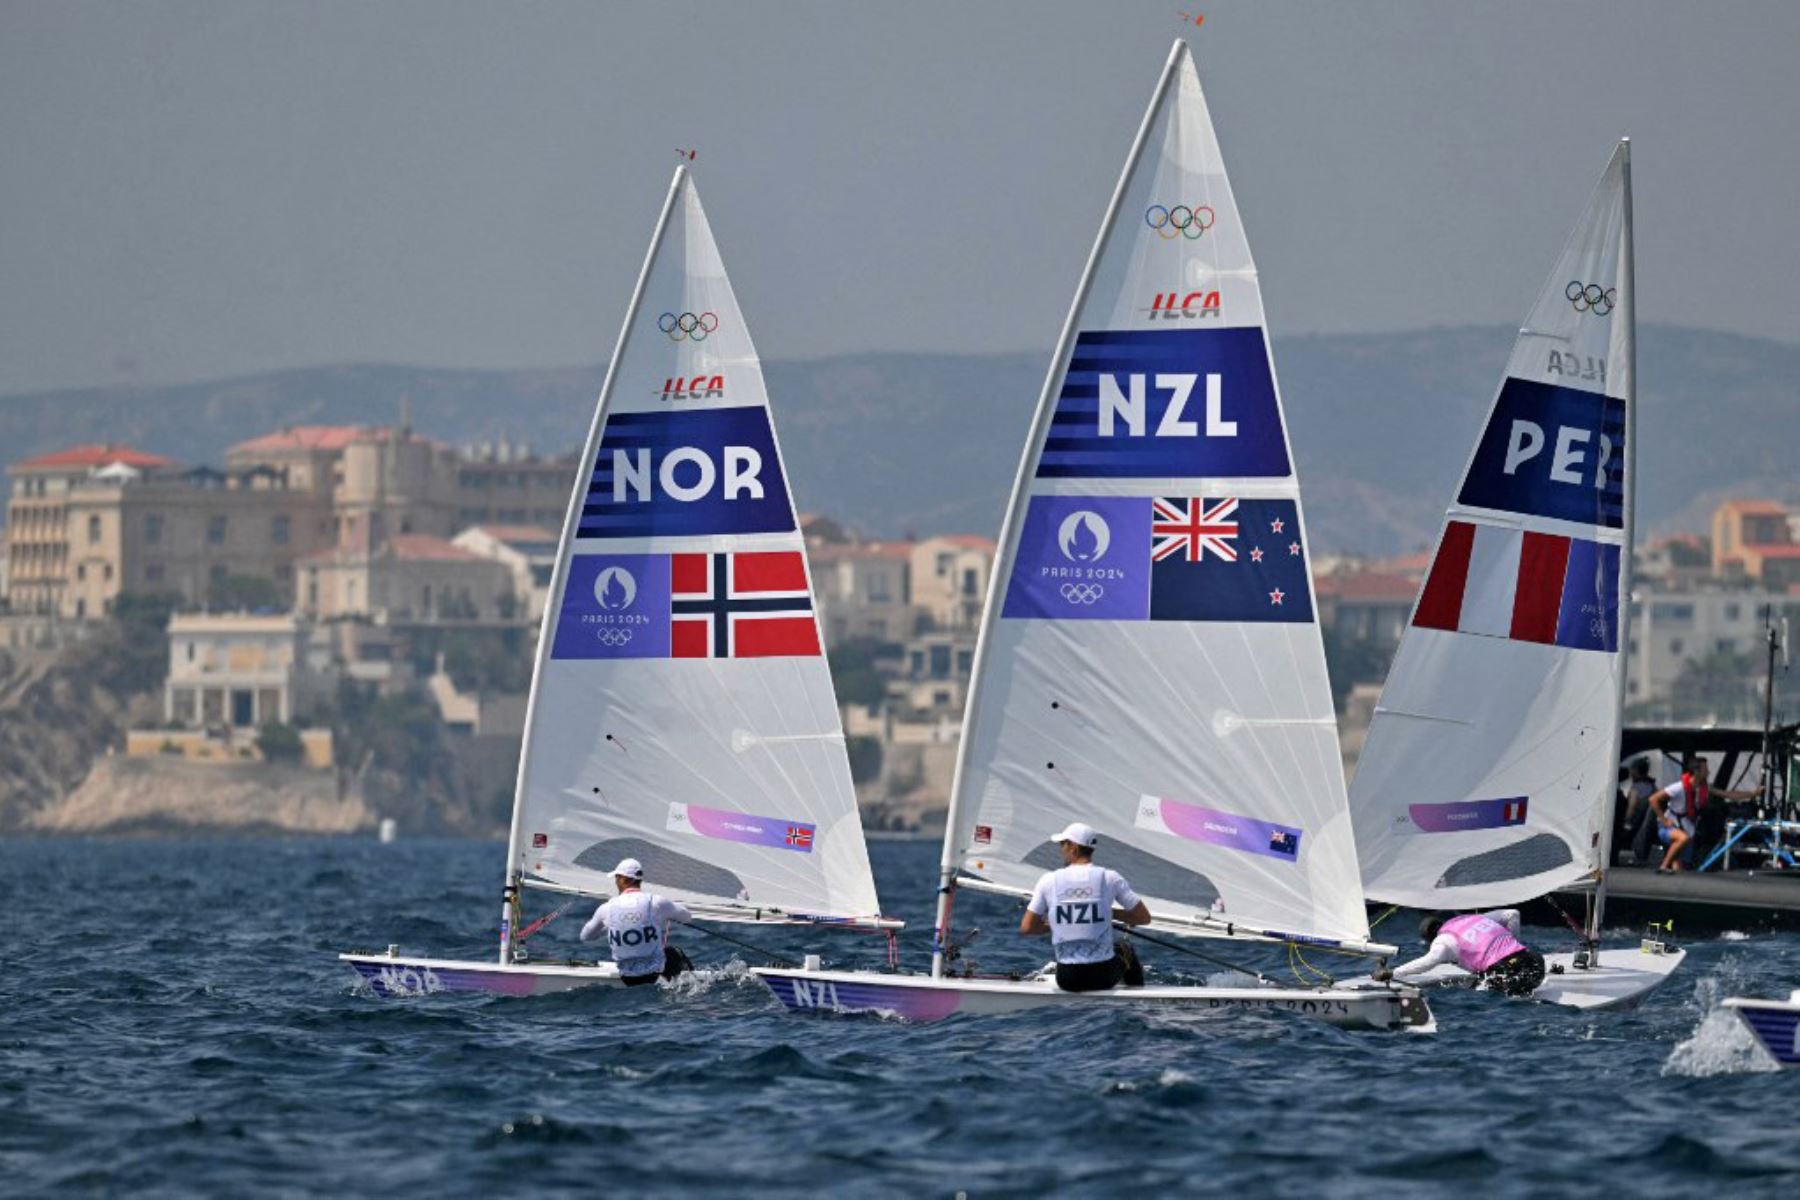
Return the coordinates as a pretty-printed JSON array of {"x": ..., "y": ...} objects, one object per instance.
[
  {"x": 682, "y": 710},
  {"x": 1488, "y": 773},
  {"x": 1150, "y": 661}
]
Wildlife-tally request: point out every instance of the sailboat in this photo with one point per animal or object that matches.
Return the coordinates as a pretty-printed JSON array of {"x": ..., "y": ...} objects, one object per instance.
[
  {"x": 1488, "y": 774},
  {"x": 1149, "y": 661},
  {"x": 681, "y": 711}
]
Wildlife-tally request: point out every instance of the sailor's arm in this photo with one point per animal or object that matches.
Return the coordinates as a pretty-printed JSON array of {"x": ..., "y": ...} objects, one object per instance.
[
  {"x": 1033, "y": 922},
  {"x": 1128, "y": 908},
  {"x": 1443, "y": 950},
  {"x": 595, "y": 925}
]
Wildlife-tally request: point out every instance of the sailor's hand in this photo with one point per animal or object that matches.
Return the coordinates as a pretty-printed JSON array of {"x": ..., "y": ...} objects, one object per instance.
[{"x": 1381, "y": 974}]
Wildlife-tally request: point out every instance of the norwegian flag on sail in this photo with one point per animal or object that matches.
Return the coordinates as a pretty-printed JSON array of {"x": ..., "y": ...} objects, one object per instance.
[
  {"x": 1526, "y": 586},
  {"x": 752, "y": 604}
]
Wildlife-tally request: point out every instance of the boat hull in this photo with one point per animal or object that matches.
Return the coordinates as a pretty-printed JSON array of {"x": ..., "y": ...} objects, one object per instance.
[
  {"x": 1623, "y": 979},
  {"x": 922, "y": 998},
  {"x": 394, "y": 976},
  {"x": 1774, "y": 1023}
]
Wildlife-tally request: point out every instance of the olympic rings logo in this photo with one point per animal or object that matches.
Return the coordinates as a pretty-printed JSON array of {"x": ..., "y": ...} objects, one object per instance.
[
  {"x": 613, "y": 637},
  {"x": 687, "y": 326},
  {"x": 1180, "y": 221},
  {"x": 1591, "y": 297},
  {"x": 1082, "y": 593}
]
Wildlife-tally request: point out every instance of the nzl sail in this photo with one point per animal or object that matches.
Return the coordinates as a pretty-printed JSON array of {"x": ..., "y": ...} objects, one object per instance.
[
  {"x": 1150, "y": 660},
  {"x": 1489, "y": 770},
  {"x": 681, "y": 711}
]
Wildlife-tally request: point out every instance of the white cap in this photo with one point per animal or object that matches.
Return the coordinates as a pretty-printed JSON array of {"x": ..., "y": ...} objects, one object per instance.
[
  {"x": 1080, "y": 834},
  {"x": 630, "y": 868}
]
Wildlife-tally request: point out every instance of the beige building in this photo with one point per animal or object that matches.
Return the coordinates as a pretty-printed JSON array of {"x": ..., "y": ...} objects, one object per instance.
[
  {"x": 949, "y": 577},
  {"x": 412, "y": 579},
  {"x": 37, "y": 519},
  {"x": 528, "y": 552},
  {"x": 240, "y": 671},
  {"x": 863, "y": 590}
]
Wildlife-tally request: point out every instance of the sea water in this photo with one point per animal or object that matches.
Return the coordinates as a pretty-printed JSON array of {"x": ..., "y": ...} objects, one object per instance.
[{"x": 175, "y": 1021}]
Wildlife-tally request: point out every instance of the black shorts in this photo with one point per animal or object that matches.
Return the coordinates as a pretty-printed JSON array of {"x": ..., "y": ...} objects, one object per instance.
[
  {"x": 674, "y": 963},
  {"x": 1518, "y": 974},
  {"x": 1123, "y": 967}
]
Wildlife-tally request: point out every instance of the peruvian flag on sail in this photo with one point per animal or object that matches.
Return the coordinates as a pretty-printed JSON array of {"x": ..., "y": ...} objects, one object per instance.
[
  {"x": 751, "y": 604},
  {"x": 1530, "y": 587}
]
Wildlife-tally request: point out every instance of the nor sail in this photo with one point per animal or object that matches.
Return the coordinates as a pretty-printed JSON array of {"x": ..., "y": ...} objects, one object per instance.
[
  {"x": 1489, "y": 769},
  {"x": 681, "y": 710}
]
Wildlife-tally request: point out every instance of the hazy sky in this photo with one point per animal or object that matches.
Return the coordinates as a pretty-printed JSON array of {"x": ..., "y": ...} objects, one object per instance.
[{"x": 189, "y": 190}]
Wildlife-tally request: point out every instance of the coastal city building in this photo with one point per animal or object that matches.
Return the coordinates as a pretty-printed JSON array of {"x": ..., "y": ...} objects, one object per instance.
[
  {"x": 528, "y": 552},
  {"x": 950, "y": 578},
  {"x": 409, "y": 579}
]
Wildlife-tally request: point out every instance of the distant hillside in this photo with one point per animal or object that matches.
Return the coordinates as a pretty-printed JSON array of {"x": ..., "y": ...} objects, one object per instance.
[{"x": 922, "y": 442}]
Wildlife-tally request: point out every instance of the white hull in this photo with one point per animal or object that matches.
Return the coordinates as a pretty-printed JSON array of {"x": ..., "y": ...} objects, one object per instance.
[
  {"x": 392, "y": 975},
  {"x": 1775, "y": 1023},
  {"x": 1621, "y": 980},
  {"x": 922, "y": 998}
]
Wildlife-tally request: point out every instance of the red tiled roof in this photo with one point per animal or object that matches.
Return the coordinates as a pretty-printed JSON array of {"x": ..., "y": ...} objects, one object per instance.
[
  {"x": 308, "y": 437},
  {"x": 422, "y": 547},
  {"x": 1366, "y": 585},
  {"x": 1758, "y": 507},
  {"x": 1773, "y": 550},
  {"x": 97, "y": 454}
]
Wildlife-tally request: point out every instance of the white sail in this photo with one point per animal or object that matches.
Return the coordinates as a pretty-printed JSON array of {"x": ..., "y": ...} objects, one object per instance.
[
  {"x": 682, "y": 711},
  {"x": 1490, "y": 765},
  {"x": 1150, "y": 661}
]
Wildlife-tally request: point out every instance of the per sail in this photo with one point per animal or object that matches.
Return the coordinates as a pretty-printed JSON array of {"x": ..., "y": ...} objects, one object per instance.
[
  {"x": 1151, "y": 662},
  {"x": 682, "y": 711},
  {"x": 1492, "y": 757}
]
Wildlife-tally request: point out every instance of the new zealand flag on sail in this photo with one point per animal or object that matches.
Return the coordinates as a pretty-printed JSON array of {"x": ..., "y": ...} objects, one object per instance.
[
  {"x": 700, "y": 471},
  {"x": 1168, "y": 558},
  {"x": 1224, "y": 559}
]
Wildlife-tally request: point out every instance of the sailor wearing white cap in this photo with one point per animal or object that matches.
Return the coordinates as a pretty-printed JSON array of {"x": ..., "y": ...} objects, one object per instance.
[
  {"x": 1076, "y": 907},
  {"x": 637, "y": 926}
]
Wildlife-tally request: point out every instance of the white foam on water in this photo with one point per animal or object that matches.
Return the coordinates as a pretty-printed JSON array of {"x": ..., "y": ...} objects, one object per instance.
[
  {"x": 1734, "y": 935},
  {"x": 1720, "y": 1044},
  {"x": 701, "y": 980}
]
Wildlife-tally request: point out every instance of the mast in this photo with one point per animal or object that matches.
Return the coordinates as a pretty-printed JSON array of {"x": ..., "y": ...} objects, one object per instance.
[
  {"x": 559, "y": 573},
  {"x": 1628, "y": 287},
  {"x": 949, "y": 862}
]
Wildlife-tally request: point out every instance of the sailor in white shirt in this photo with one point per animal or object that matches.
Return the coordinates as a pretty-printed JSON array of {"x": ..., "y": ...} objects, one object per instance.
[
  {"x": 636, "y": 923},
  {"x": 1077, "y": 906},
  {"x": 1678, "y": 807}
]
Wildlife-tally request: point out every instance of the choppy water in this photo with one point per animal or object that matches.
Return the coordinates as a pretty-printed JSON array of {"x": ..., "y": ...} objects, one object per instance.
[{"x": 174, "y": 1021}]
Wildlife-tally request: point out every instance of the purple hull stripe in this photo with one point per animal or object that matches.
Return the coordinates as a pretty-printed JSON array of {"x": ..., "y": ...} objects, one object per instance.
[
  {"x": 1248, "y": 834},
  {"x": 1469, "y": 814},
  {"x": 801, "y": 994},
  {"x": 404, "y": 979}
]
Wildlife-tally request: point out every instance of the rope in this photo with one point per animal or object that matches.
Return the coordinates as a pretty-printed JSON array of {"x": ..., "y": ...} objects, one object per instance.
[
  {"x": 725, "y": 937},
  {"x": 1384, "y": 916},
  {"x": 1296, "y": 960},
  {"x": 1567, "y": 919},
  {"x": 1189, "y": 950},
  {"x": 541, "y": 922}
]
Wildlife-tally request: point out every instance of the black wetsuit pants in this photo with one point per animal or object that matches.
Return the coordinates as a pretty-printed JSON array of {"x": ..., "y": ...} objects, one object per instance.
[
  {"x": 674, "y": 963},
  {"x": 1518, "y": 974},
  {"x": 1123, "y": 967}
]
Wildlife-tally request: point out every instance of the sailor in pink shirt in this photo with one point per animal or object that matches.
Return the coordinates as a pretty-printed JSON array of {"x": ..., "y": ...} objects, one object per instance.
[{"x": 1486, "y": 945}]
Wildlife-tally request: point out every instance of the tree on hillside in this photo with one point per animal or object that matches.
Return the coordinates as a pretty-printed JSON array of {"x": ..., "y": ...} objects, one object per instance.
[{"x": 854, "y": 674}]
